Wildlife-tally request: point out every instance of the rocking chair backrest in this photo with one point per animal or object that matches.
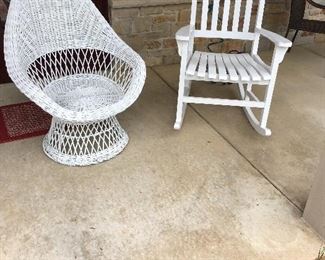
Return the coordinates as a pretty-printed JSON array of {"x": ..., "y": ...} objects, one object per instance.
[{"x": 224, "y": 19}]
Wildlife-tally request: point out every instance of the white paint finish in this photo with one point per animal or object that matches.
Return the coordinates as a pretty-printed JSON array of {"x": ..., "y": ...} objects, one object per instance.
[
  {"x": 221, "y": 68},
  {"x": 223, "y": 102},
  {"x": 193, "y": 12},
  {"x": 212, "y": 69},
  {"x": 183, "y": 34},
  {"x": 248, "y": 13},
  {"x": 252, "y": 96},
  {"x": 235, "y": 22},
  {"x": 215, "y": 15},
  {"x": 240, "y": 69},
  {"x": 277, "y": 39},
  {"x": 260, "y": 12},
  {"x": 255, "y": 123},
  {"x": 262, "y": 71},
  {"x": 203, "y": 65},
  {"x": 225, "y": 35},
  {"x": 230, "y": 67},
  {"x": 194, "y": 61},
  {"x": 255, "y": 76},
  {"x": 235, "y": 68},
  {"x": 225, "y": 17},
  {"x": 258, "y": 59},
  {"x": 204, "y": 17}
]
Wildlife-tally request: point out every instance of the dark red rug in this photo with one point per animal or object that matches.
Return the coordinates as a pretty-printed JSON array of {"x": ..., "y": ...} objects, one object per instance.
[{"x": 22, "y": 121}]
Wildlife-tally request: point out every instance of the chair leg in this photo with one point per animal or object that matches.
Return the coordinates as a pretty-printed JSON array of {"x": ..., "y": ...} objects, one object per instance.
[
  {"x": 256, "y": 124},
  {"x": 184, "y": 90},
  {"x": 287, "y": 33},
  {"x": 268, "y": 100},
  {"x": 295, "y": 36},
  {"x": 249, "y": 88},
  {"x": 188, "y": 86},
  {"x": 293, "y": 39}
]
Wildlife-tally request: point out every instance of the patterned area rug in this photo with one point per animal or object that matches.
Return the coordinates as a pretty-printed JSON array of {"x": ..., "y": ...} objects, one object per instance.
[{"x": 22, "y": 121}]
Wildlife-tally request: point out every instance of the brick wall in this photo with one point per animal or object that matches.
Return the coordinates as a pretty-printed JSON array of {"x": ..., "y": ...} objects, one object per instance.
[
  {"x": 149, "y": 27},
  {"x": 150, "y": 30}
]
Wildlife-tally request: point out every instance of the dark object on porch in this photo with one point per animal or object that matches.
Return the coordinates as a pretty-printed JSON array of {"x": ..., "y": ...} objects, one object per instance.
[{"x": 299, "y": 23}]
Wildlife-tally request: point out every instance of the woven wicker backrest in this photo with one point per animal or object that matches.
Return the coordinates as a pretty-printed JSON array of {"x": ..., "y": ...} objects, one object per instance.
[{"x": 45, "y": 26}]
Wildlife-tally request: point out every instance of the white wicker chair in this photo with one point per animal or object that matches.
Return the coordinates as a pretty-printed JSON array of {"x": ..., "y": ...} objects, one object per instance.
[{"x": 65, "y": 57}]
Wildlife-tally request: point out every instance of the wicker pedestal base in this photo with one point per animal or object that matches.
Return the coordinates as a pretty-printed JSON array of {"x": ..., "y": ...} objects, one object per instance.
[{"x": 81, "y": 144}]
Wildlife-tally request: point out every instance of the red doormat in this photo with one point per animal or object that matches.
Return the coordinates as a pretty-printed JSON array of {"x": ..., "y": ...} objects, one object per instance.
[{"x": 22, "y": 121}]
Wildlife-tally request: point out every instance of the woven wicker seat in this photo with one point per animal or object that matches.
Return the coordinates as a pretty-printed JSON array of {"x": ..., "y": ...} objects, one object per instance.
[{"x": 66, "y": 58}]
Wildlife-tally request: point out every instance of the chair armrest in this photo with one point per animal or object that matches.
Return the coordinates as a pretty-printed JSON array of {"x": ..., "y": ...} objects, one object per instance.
[
  {"x": 277, "y": 39},
  {"x": 185, "y": 39},
  {"x": 184, "y": 33}
]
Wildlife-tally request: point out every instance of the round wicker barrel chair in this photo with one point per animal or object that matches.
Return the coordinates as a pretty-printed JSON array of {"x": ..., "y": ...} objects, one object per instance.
[{"x": 65, "y": 57}]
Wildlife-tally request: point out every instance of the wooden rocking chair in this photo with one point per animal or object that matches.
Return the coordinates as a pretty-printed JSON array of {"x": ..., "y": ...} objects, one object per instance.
[{"x": 244, "y": 69}]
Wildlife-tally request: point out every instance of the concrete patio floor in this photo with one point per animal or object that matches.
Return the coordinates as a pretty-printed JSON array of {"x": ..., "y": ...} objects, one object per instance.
[
  {"x": 214, "y": 190},
  {"x": 289, "y": 159}
]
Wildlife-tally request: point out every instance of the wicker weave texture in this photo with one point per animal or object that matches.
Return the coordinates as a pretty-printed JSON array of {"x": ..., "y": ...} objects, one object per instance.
[{"x": 66, "y": 58}]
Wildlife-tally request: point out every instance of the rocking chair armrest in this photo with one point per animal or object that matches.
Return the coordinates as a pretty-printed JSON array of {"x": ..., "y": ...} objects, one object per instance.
[
  {"x": 277, "y": 39},
  {"x": 185, "y": 33},
  {"x": 184, "y": 36}
]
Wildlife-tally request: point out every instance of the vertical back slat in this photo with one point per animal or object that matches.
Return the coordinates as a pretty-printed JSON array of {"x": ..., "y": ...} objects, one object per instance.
[
  {"x": 260, "y": 13},
  {"x": 225, "y": 17},
  {"x": 215, "y": 14},
  {"x": 248, "y": 13},
  {"x": 193, "y": 12},
  {"x": 204, "y": 17},
  {"x": 235, "y": 15},
  {"x": 235, "y": 21}
]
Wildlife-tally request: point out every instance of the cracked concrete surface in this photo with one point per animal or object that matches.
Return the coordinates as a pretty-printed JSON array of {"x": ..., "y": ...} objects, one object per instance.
[
  {"x": 198, "y": 193},
  {"x": 289, "y": 159}
]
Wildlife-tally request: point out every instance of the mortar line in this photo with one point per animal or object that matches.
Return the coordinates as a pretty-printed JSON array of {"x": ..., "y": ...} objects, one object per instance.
[{"x": 233, "y": 146}]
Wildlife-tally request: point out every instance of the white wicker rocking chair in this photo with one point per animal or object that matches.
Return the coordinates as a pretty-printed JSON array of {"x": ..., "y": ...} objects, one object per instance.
[
  {"x": 65, "y": 57},
  {"x": 243, "y": 69}
]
